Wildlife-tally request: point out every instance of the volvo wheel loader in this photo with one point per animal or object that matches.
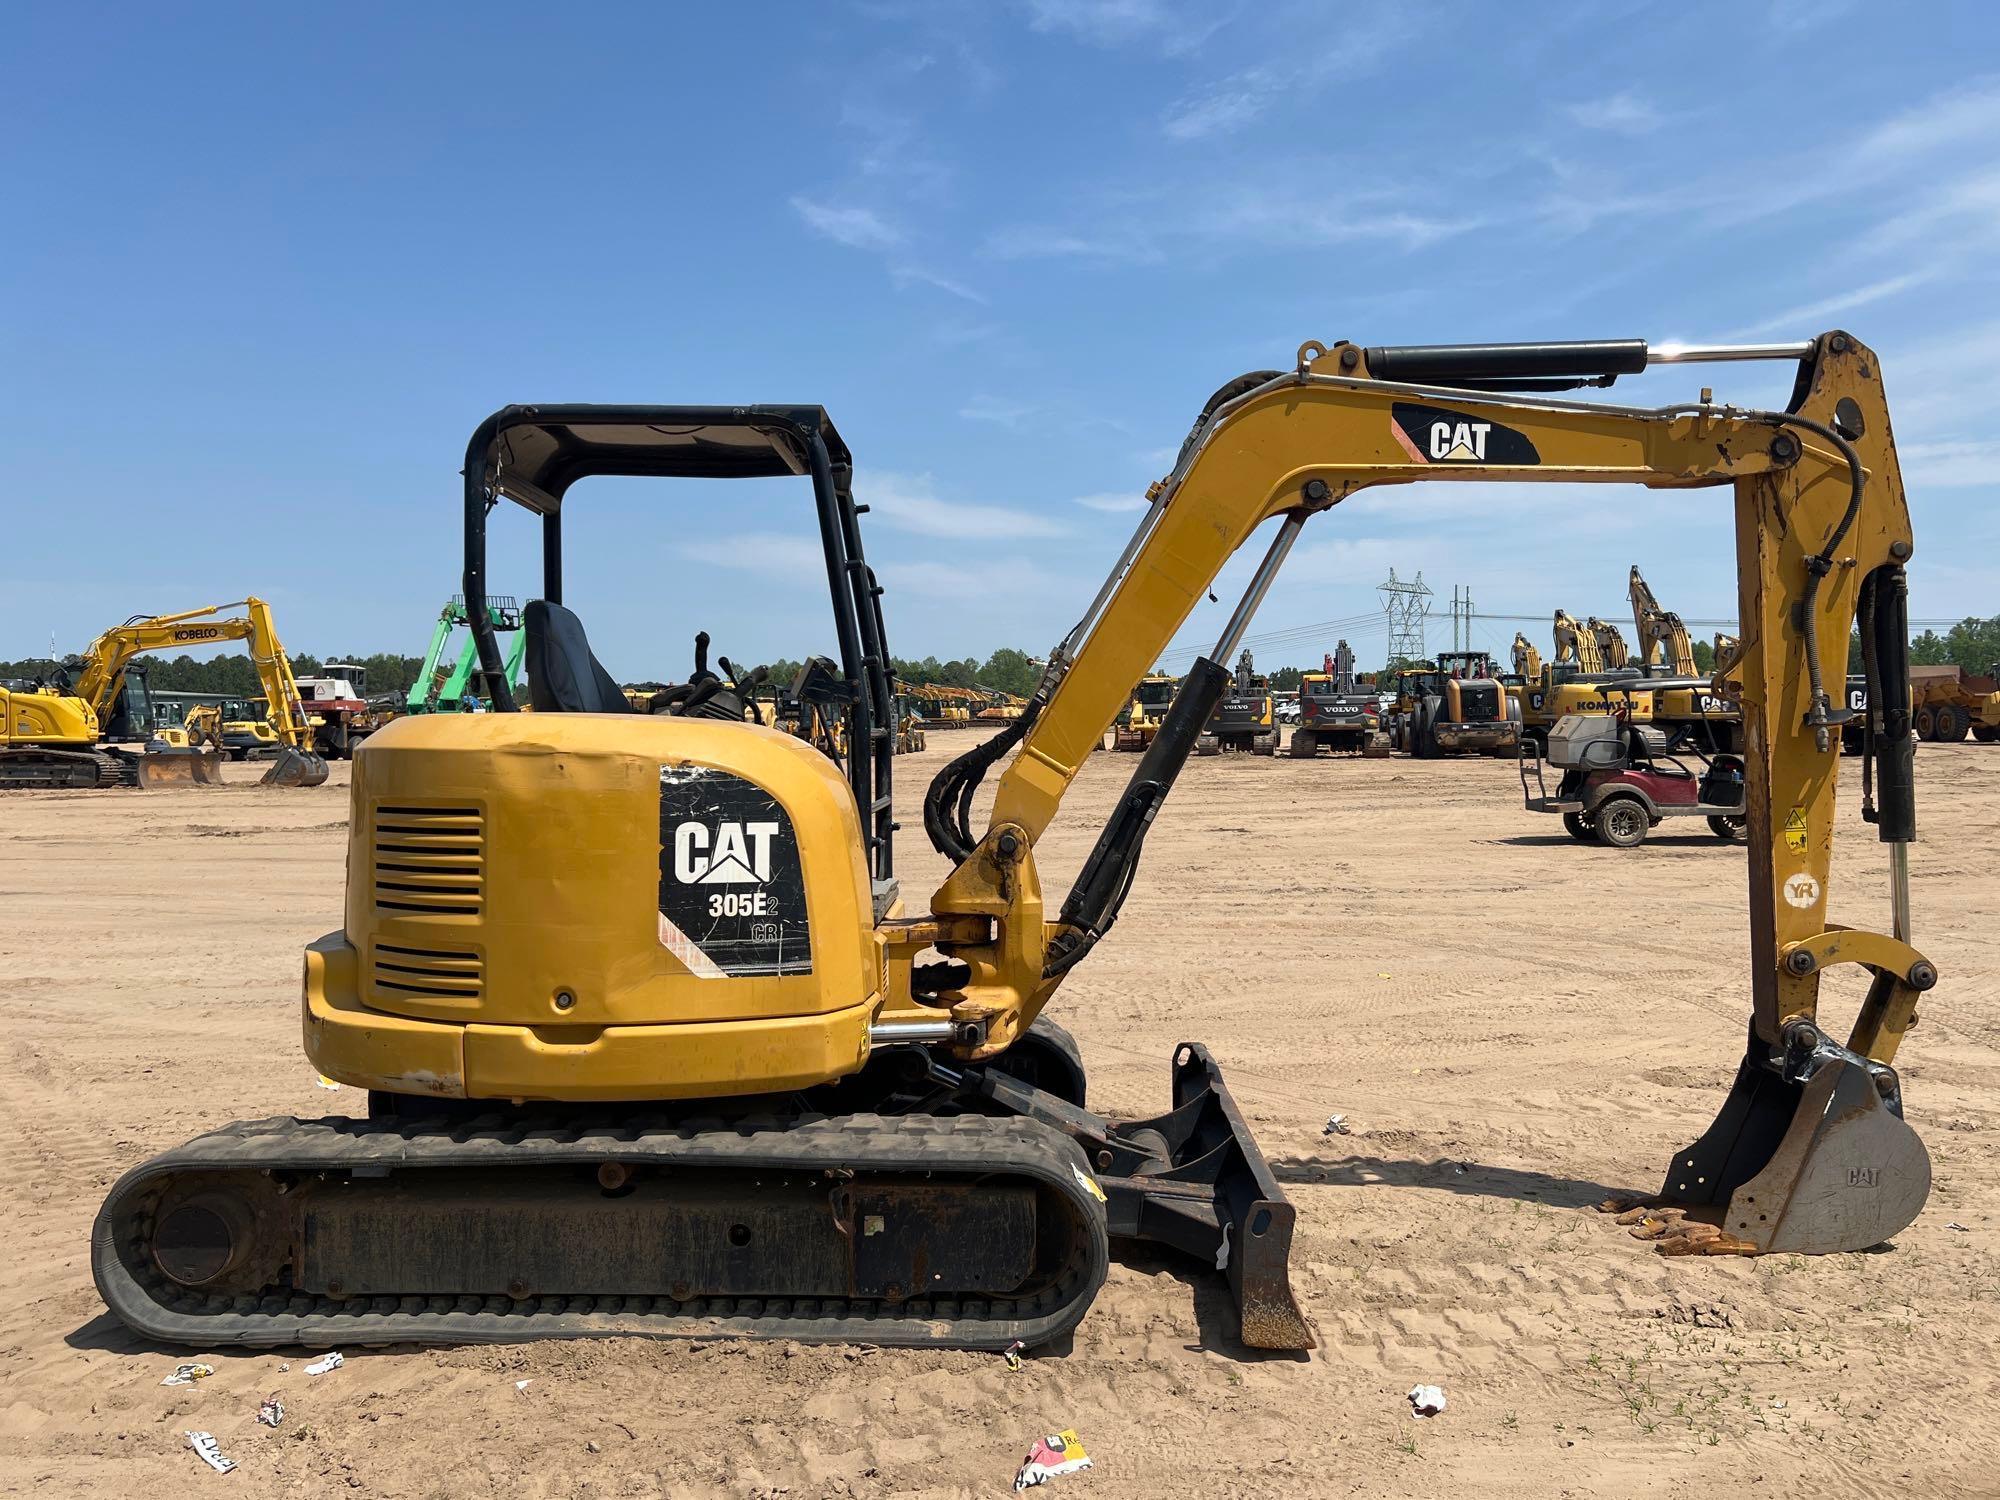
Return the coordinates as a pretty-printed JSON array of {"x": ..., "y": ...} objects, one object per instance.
[{"x": 652, "y": 1043}]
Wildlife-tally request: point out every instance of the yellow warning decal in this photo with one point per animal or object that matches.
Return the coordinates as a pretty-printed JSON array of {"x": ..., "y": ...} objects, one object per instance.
[{"x": 1796, "y": 838}]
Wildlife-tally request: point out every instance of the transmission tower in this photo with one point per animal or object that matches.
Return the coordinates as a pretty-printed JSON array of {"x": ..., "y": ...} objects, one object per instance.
[{"x": 1407, "y": 605}]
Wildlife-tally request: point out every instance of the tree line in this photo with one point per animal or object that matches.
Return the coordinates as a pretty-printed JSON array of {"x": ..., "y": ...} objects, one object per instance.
[
  {"x": 234, "y": 675},
  {"x": 1973, "y": 644}
]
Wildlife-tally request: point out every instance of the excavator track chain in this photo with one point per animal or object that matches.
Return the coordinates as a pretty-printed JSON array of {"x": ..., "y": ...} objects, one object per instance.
[
  {"x": 960, "y": 1232},
  {"x": 75, "y": 770}
]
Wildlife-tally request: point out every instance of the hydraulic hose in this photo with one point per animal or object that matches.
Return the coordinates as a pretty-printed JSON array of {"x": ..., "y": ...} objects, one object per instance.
[
  {"x": 948, "y": 802},
  {"x": 1820, "y": 564}
]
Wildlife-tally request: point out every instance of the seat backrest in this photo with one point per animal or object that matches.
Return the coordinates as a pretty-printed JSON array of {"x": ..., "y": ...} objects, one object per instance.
[{"x": 563, "y": 676}]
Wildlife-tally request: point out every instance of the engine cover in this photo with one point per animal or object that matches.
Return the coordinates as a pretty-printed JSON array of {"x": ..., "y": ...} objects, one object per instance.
[{"x": 554, "y": 889}]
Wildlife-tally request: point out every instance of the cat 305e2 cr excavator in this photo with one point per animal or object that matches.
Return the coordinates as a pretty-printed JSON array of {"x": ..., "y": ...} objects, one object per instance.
[{"x": 651, "y": 1044}]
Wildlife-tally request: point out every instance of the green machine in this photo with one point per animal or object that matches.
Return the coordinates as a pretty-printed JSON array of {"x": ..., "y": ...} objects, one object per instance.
[{"x": 441, "y": 684}]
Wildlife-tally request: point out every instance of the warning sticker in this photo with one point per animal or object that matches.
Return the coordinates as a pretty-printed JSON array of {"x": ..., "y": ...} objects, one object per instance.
[{"x": 1796, "y": 838}]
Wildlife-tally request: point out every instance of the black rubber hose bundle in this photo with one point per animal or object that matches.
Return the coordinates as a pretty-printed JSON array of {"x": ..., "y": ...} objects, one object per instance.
[{"x": 948, "y": 802}]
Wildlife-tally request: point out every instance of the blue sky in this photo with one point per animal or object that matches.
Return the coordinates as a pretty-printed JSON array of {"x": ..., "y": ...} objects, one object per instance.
[{"x": 266, "y": 267}]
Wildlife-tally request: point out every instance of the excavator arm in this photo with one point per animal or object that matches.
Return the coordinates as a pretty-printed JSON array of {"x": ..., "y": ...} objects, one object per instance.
[
  {"x": 1611, "y": 647},
  {"x": 1527, "y": 660},
  {"x": 1822, "y": 534},
  {"x": 1576, "y": 645},
  {"x": 1663, "y": 636}
]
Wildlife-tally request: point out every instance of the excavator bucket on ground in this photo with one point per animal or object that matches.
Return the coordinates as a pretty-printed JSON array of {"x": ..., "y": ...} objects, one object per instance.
[
  {"x": 1808, "y": 1157},
  {"x": 295, "y": 768},
  {"x": 180, "y": 766}
]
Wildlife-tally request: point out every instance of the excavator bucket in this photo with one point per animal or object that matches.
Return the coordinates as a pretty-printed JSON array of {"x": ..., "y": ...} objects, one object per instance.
[
  {"x": 1810, "y": 1155},
  {"x": 295, "y": 768},
  {"x": 180, "y": 767}
]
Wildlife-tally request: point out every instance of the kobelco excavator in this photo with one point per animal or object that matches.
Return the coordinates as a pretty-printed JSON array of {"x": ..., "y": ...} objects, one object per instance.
[
  {"x": 50, "y": 737},
  {"x": 652, "y": 1045}
]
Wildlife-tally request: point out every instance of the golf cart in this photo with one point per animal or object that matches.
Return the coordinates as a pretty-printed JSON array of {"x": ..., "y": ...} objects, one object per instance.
[{"x": 1618, "y": 780}]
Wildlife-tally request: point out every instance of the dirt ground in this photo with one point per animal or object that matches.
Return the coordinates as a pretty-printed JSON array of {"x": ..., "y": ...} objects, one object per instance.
[{"x": 1513, "y": 1025}]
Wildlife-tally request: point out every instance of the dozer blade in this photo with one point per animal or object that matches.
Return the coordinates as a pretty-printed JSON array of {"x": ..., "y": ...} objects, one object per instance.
[
  {"x": 1193, "y": 1179},
  {"x": 1809, "y": 1156},
  {"x": 295, "y": 768},
  {"x": 180, "y": 768}
]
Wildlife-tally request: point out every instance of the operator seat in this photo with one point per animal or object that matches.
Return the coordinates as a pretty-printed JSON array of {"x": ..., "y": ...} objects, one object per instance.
[{"x": 563, "y": 676}]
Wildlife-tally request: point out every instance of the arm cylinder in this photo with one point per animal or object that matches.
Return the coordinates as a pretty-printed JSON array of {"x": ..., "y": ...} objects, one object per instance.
[
  {"x": 1092, "y": 904},
  {"x": 1889, "y": 707}
]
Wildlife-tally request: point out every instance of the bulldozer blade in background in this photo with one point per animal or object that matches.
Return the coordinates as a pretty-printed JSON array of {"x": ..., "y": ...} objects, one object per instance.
[
  {"x": 295, "y": 768},
  {"x": 179, "y": 767},
  {"x": 1811, "y": 1168}
]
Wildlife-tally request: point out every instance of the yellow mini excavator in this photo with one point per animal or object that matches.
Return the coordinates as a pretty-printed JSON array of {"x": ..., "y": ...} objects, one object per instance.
[
  {"x": 50, "y": 737},
  {"x": 652, "y": 1045}
]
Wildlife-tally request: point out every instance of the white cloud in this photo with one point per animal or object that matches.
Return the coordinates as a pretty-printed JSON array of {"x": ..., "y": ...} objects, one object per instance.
[
  {"x": 924, "y": 580},
  {"x": 848, "y": 224},
  {"x": 1951, "y": 465},
  {"x": 1621, "y": 114},
  {"x": 1114, "y": 502},
  {"x": 1357, "y": 43},
  {"x": 1156, "y": 24},
  {"x": 1971, "y": 113},
  {"x": 1294, "y": 207},
  {"x": 904, "y": 275},
  {"x": 776, "y": 553},
  {"x": 1048, "y": 242},
  {"x": 993, "y": 409},
  {"x": 905, "y": 502},
  {"x": 1809, "y": 318},
  {"x": 1222, "y": 106}
]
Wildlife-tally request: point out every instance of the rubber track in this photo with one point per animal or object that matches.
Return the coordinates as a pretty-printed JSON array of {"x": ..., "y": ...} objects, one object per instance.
[
  {"x": 30, "y": 768},
  {"x": 136, "y": 1290}
]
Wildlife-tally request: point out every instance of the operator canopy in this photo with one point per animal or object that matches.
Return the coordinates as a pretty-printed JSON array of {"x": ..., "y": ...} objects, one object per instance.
[{"x": 533, "y": 454}]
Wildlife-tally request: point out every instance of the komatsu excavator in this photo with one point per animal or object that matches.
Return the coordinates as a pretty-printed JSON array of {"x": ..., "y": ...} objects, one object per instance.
[
  {"x": 1573, "y": 681},
  {"x": 652, "y": 1045},
  {"x": 1692, "y": 717},
  {"x": 51, "y": 737}
]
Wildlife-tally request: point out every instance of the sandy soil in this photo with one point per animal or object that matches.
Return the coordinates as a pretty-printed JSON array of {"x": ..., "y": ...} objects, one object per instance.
[{"x": 1512, "y": 1024}]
